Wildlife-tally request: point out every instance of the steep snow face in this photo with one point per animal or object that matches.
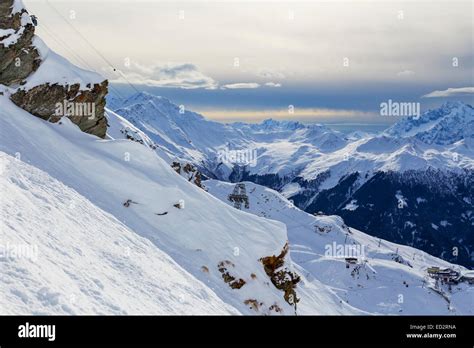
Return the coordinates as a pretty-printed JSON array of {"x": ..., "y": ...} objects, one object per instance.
[
  {"x": 130, "y": 182},
  {"x": 61, "y": 254},
  {"x": 386, "y": 278}
]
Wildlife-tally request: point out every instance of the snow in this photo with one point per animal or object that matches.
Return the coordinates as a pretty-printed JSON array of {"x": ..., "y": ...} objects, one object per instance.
[
  {"x": 88, "y": 253},
  {"x": 281, "y": 145},
  {"x": 385, "y": 268},
  {"x": 444, "y": 223},
  {"x": 290, "y": 189},
  {"x": 420, "y": 200},
  {"x": 292, "y": 149},
  {"x": 203, "y": 234},
  {"x": 55, "y": 69},
  {"x": 109, "y": 172},
  {"x": 402, "y": 201},
  {"x": 18, "y": 6},
  {"x": 352, "y": 205},
  {"x": 78, "y": 259},
  {"x": 450, "y": 123}
]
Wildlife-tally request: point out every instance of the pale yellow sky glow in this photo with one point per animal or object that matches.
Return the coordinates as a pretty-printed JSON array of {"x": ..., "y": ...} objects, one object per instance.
[{"x": 298, "y": 114}]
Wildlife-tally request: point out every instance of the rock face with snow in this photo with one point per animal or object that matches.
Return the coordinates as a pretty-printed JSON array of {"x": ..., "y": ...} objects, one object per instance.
[
  {"x": 188, "y": 171},
  {"x": 42, "y": 101},
  {"x": 18, "y": 56},
  {"x": 43, "y": 83}
]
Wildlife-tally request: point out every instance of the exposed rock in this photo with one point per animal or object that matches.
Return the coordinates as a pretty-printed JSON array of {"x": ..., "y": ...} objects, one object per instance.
[
  {"x": 42, "y": 101},
  {"x": 274, "y": 307},
  {"x": 228, "y": 278},
  {"x": 282, "y": 278},
  {"x": 253, "y": 304},
  {"x": 20, "y": 59},
  {"x": 188, "y": 171}
]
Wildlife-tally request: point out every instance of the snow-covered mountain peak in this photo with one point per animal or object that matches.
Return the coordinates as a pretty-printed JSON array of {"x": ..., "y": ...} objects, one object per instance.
[
  {"x": 451, "y": 122},
  {"x": 272, "y": 124},
  {"x": 149, "y": 106},
  {"x": 143, "y": 97}
]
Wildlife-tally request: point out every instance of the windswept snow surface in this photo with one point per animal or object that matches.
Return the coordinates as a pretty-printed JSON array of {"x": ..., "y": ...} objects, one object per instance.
[
  {"x": 61, "y": 254},
  {"x": 391, "y": 278}
]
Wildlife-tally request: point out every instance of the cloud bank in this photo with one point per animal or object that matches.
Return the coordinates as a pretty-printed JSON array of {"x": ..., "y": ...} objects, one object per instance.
[
  {"x": 172, "y": 75},
  {"x": 451, "y": 92}
]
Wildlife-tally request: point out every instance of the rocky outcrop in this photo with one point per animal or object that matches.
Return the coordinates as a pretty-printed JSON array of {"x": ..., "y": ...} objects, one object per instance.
[
  {"x": 234, "y": 283},
  {"x": 42, "y": 101},
  {"x": 188, "y": 171},
  {"x": 18, "y": 57},
  {"x": 281, "y": 277}
]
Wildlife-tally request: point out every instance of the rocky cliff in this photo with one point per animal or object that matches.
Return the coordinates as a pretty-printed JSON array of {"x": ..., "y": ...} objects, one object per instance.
[{"x": 29, "y": 69}]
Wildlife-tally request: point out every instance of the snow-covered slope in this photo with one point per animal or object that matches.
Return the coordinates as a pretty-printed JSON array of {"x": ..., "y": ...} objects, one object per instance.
[
  {"x": 110, "y": 172},
  {"x": 61, "y": 254},
  {"x": 388, "y": 278},
  {"x": 207, "y": 238}
]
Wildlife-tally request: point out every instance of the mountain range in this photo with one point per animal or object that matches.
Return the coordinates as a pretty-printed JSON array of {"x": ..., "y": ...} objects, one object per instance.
[
  {"x": 411, "y": 184},
  {"x": 100, "y": 214}
]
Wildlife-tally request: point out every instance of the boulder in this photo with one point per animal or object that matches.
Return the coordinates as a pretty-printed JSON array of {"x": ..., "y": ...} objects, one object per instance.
[{"x": 42, "y": 101}]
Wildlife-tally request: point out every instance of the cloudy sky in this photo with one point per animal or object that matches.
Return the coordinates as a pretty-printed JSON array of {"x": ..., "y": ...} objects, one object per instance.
[{"x": 333, "y": 61}]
